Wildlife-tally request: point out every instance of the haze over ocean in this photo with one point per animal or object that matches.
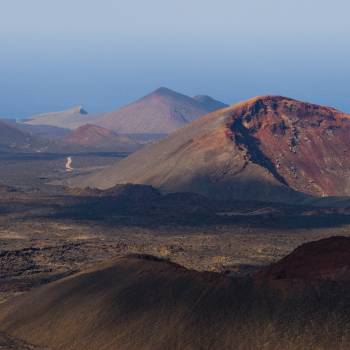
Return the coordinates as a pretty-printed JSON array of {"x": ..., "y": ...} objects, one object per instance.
[{"x": 103, "y": 54}]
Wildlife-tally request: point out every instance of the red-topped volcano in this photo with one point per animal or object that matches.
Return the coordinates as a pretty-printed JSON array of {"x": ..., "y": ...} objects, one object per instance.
[
  {"x": 266, "y": 148},
  {"x": 95, "y": 137},
  {"x": 306, "y": 144}
]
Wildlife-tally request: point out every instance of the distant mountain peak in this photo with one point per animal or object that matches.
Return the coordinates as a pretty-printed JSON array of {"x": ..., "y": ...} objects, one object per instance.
[
  {"x": 77, "y": 109},
  {"x": 160, "y": 112},
  {"x": 168, "y": 93},
  {"x": 164, "y": 91}
]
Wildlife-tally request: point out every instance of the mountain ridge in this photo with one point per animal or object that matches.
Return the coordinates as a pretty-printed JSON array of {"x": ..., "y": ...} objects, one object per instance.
[
  {"x": 159, "y": 112},
  {"x": 266, "y": 148}
]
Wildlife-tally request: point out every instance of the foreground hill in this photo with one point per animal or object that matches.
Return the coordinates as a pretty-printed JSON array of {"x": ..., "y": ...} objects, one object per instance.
[
  {"x": 69, "y": 119},
  {"x": 142, "y": 302},
  {"x": 267, "y": 148},
  {"x": 97, "y": 138},
  {"x": 160, "y": 112}
]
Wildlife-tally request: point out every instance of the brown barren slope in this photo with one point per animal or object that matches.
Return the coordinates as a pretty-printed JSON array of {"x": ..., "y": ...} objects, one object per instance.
[{"x": 142, "y": 302}]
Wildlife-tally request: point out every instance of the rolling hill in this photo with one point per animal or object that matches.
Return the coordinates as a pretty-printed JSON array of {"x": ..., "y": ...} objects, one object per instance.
[
  {"x": 144, "y": 302},
  {"x": 96, "y": 138}
]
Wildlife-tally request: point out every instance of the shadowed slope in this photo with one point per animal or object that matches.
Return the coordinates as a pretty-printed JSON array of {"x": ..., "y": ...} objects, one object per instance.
[
  {"x": 133, "y": 303},
  {"x": 143, "y": 302}
]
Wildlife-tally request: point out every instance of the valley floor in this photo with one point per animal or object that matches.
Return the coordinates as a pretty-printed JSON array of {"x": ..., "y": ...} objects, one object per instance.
[
  {"x": 47, "y": 234},
  {"x": 37, "y": 247}
]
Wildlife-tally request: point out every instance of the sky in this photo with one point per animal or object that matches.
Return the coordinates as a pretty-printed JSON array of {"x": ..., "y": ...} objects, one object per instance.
[{"x": 103, "y": 54}]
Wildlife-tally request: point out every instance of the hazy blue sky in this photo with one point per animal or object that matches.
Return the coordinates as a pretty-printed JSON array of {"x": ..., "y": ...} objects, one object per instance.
[{"x": 104, "y": 53}]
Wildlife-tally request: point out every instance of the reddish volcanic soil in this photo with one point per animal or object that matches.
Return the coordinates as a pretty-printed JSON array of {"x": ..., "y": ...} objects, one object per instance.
[
  {"x": 93, "y": 136},
  {"x": 306, "y": 144},
  {"x": 89, "y": 135},
  {"x": 327, "y": 259}
]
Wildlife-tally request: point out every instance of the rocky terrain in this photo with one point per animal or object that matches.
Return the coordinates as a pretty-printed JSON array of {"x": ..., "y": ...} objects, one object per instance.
[
  {"x": 119, "y": 264},
  {"x": 301, "y": 144},
  {"x": 47, "y": 235},
  {"x": 142, "y": 301}
]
